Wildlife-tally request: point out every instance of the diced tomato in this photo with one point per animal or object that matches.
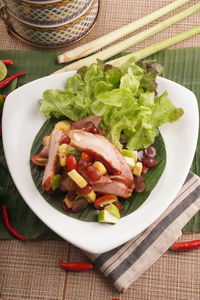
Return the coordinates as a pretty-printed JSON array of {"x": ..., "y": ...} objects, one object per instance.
[
  {"x": 101, "y": 202},
  {"x": 71, "y": 162},
  {"x": 39, "y": 160},
  {"x": 144, "y": 169},
  {"x": 86, "y": 190},
  {"x": 93, "y": 173},
  {"x": 86, "y": 156}
]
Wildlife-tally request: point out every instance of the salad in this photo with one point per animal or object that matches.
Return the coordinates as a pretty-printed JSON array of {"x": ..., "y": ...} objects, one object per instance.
[{"x": 97, "y": 155}]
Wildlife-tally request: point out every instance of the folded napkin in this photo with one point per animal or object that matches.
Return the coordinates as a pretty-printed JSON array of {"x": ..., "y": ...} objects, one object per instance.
[{"x": 124, "y": 264}]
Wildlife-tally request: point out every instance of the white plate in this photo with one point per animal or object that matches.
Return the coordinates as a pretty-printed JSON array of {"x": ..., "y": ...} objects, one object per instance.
[{"x": 21, "y": 122}]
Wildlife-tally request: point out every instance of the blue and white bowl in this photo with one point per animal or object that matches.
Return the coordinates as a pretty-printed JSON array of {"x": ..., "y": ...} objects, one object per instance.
[
  {"x": 47, "y": 12},
  {"x": 56, "y": 35}
]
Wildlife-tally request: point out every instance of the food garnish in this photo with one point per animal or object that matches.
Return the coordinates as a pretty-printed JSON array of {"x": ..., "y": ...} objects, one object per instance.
[{"x": 8, "y": 225}]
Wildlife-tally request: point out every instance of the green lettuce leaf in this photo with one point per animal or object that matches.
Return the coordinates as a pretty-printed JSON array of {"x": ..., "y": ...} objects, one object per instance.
[{"x": 125, "y": 98}]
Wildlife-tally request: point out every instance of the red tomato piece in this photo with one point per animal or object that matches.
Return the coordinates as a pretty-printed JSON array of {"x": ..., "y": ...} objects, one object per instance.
[
  {"x": 39, "y": 160},
  {"x": 101, "y": 202},
  {"x": 86, "y": 156},
  {"x": 144, "y": 170},
  {"x": 71, "y": 162}
]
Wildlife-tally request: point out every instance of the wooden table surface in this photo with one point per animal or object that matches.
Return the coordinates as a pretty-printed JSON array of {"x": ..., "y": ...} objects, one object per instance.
[{"x": 30, "y": 271}]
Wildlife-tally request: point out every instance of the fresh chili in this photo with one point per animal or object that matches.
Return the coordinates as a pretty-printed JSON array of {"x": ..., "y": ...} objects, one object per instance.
[
  {"x": 6, "y": 81},
  {"x": 8, "y": 224},
  {"x": 184, "y": 246},
  {"x": 76, "y": 266},
  {"x": 8, "y": 62},
  {"x": 3, "y": 96}
]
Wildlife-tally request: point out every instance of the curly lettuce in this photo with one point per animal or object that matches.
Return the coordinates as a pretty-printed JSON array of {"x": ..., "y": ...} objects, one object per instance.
[{"x": 125, "y": 98}]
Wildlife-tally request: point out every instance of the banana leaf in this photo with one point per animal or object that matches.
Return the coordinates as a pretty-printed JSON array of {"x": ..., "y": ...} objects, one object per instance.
[
  {"x": 181, "y": 65},
  {"x": 89, "y": 214}
]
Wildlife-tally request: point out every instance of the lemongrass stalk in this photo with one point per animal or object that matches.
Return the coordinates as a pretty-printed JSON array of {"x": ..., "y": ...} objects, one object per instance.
[
  {"x": 141, "y": 54},
  {"x": 109, "y": 38},
  {"x": 111, "y": 51}
]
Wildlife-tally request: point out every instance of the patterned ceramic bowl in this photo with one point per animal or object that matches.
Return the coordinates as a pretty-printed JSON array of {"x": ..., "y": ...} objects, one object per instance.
[
  {"x": 48, "y": 13},
  {"x": 41, "y": 1},
  {"x": 52, "y": 35}
]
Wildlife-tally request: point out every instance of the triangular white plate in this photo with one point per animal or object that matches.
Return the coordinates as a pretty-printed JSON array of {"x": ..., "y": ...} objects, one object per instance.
[{"x": 22, "y": 120}]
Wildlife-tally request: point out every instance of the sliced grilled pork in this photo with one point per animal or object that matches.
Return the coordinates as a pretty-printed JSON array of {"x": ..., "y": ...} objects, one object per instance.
[
  {"x": 103, "y": 148},
  {"x": 116, "y": 188},
  {"x": 50, "y": 167},
  {"x": 80, "y": 123}
]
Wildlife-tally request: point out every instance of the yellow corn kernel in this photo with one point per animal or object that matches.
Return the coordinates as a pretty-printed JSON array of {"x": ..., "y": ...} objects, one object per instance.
[
  {"x": 67, "y": 202},
  {"x": 62, "y": 125},
  {"x": 91, "y": 196},
  {"x": 46, "y": 140},
  {"x": 77, "y": 178},
  {"x": 137, "y": 169},
  {"x": 62, "y": 154},
  {"x": 100, "y": 167}
]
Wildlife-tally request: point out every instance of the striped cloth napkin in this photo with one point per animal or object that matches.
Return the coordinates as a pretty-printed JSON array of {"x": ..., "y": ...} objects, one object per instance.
[{"x": 126, "y": 263}]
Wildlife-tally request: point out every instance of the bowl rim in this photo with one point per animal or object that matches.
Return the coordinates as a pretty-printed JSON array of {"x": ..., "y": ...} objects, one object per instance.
[{"x": 55, "y": 24}]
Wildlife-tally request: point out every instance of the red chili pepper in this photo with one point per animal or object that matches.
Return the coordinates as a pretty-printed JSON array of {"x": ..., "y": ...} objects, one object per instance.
[
  {"x": 8, "y": 62},
  {"x": 8, "y": 224},
  {"x": 76, "y": 266},
  {"x": 3, "y": 96},
  {"x": 6, "y": 81},
  {"x": 184, "y": 246}
]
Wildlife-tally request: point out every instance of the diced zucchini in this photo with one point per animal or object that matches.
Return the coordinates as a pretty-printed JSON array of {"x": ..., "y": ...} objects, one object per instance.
[
  {"x": 56, "y": 180},
  {"x": 113, "y": 210},
  {"x": 105, "y": 217},
  {"x": 130, "y": 161},
  {"x": 130, "y": 153},
  {"x": 91, "y": 196},
  {"x": 77, "y": 178},
  {"x": 100, "y": 167},
  {"x": 62, "y": 125},
  {"x": 137, "y": 169},
  {"x": 62, "y": 149}
]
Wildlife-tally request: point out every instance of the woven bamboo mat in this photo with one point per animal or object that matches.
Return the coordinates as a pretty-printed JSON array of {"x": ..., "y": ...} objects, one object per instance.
[{"x": 30, "y": 270}]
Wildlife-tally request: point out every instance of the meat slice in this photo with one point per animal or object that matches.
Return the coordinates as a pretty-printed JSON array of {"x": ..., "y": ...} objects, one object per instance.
[
  {"x": 80, "y": 123},
  {"x": 116, "y": 187},
  {"x": 50, "y": 167},
  {"x": 103, "y": 148}
]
